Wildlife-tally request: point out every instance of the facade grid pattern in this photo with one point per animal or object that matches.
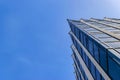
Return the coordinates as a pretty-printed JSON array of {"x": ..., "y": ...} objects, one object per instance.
[{"x": 96, "y": 48}]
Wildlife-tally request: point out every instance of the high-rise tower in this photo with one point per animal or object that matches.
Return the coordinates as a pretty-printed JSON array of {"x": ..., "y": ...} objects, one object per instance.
[{"x": 96, "y": 48}]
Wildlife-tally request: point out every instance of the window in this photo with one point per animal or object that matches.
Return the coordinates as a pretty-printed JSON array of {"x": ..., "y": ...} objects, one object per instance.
[
  {"x": 85, "y": 41},
  {"x": 77, "y": 32},
  {"x": 114, "y": 69},
  {"x": 79, "y": 49},
  {"x": 75, "y": 43},
  {"x": 82, "y": 37},
  {"x": 87, "y": 61},
  {"x": 93, "y": 70},
  {"x": 84, "y": 56},
  {"x": 72, "y": 28},
  {"x": 90, "y": 46},
  {"x": 98, "y": 76},
  {"x": 103, "y": 58},
  {"x": 96, "y": 52}
]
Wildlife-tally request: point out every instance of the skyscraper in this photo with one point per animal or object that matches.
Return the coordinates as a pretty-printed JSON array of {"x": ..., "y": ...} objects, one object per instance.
[{"x": 96, "y": 48}]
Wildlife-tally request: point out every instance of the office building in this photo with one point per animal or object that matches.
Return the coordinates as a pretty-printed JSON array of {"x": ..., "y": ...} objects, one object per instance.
[{"x": 96, "y": 48}]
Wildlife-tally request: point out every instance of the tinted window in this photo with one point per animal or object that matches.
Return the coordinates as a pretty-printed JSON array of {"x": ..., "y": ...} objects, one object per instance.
[
  {"x": 93, "y": 70},
  {"x": 90, "y": 46},
  {"x": 77, "y": 32},
  {"x": 103, "y": 58},
  {"x": 85, "y": 40},
  {"x": 98, "y": 76},
  {"x": 96, "y": 52},
  {"x": 114, "y": 69},
  {"x": 87, "y": 61}
]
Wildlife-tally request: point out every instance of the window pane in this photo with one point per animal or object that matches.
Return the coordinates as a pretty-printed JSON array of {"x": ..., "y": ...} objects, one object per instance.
[
  {"x": 79, "y": 48},
  {"x": 90, "y": 46},
  {"x": 85, "y": 40},
  {"x": 72, "y": 28},
  {"x": 82, "y": 38},
  {"x": 84, "y": 56},
  {"x": 77, "y": 32},
  {"x": 80, "y": 35},
  {"x": 86, "y": 60},
  {"x": 93, "y": 69},
  {"x": 114, "y": 69},
  {"x": 103, "y": 58},
  {"x": 98, "y": 76},
  {"x": 96, "y": 52}
]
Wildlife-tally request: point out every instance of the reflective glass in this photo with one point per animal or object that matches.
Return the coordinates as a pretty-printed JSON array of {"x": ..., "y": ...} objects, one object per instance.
[
  {"x": 98, "y": 76},
  {"x": 82, "y": 38},
  {"x": 96, "y": 52},
  {"x": 103, "y": 58},
  {"x": 93, "y": 70},
  {"x": 84, "y": 56},
  {"x": 77, "y": 32},
  {"x": 85, "y": 40},
  {"x": 114, "y": 69},
  {"x": 79, "y": 48},
  {"x": 86, "y": 60},
  {"x": 90, "y": 46}
]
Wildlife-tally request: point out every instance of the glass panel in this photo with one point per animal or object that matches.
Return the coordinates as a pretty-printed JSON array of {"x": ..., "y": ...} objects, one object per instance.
[
  {"x": 89, "y": 64},
  {"x": 72, "y": 38},
  {"x": 85, "y": 40},
  {"x": 114, "y": 44},
  {"x": 80, "y": 36},
  {"x": 86, "y": 60},
  {"x": 114, "y": 69},
  {"x": 102, "y": 78},
  {"x": 84, "y": 56},
  {"x": 110, "y": 39},
  {"x": 103, "y": 58},
  {"x": 93, "y": 70},
  {"x": 75, "y": 43},
  {"x": 80, "y": 78},
  {"x": 72, "y": 28},
  {"x": 90, "y": 46},
  {"x": 81, "y": 53},
  {"x": 100, "y": 35},
  {"x": 82, "y": 71},
  {"x": 79, "y": 48},
  {"x": 86, "y": 77},
  {"x": 98, "y": 76},
  {"x": 77, "y": 32},
  {"x": 96, "y": 52}
]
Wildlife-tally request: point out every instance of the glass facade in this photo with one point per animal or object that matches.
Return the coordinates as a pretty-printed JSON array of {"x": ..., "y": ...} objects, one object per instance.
[{"x": 95, "y": 44}]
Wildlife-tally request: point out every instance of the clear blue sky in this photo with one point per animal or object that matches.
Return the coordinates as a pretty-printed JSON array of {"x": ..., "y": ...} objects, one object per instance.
[{"x": 34, "y": 40}]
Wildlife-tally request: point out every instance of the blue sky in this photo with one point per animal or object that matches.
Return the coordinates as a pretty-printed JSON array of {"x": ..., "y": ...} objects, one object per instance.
[{"x": 34, "y": 40}]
